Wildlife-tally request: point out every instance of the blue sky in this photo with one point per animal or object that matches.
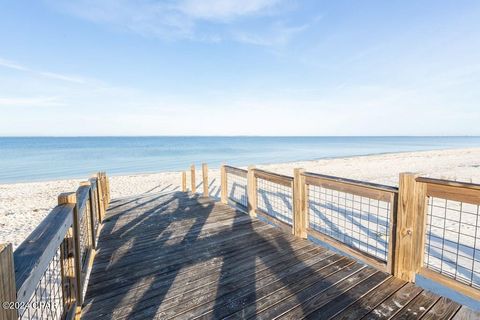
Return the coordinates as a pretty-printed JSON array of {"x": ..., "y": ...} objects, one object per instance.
[{"x": 252, "y": 67}]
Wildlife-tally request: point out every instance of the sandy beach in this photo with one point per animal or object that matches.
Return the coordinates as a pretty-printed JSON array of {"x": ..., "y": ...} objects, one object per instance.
[{"x": 24, "y": 205}]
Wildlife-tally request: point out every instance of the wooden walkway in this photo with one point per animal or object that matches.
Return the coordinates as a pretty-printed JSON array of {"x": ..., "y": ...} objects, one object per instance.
[{"x": 176, "y": 256}]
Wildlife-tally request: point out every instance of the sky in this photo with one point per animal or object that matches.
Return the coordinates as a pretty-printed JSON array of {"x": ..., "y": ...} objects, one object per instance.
[{"x": 251, "y": 67}]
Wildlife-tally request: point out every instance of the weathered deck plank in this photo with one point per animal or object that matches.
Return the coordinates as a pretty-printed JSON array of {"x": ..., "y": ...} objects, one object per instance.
[
  {"x": 173, "y": 255},
  {"x": 370, "y": 300}
]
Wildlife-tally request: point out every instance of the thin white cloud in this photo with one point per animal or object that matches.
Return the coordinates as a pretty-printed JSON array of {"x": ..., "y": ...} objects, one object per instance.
[
  {"x": 186, "y": 19},
  {"x": 30, "y": 102},
  {"x": 279, "y": 34},
  {"x": 162, "y": 19},
  {"x": 51, "y": 75},
  {"x": 63, "y": 77},
  {"x": 12, "y": 65},
  {"x": 224, "y": 9}
]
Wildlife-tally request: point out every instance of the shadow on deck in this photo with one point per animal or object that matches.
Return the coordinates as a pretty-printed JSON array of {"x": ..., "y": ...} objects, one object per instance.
[{"x": 179, "y": 256}]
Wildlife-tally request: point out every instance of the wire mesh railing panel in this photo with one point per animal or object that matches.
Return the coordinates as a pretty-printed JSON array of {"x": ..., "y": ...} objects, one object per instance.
[
  {"x": 47, "y": 299},
  {"x": 357, "y": 221},
  {"x": 68, "y": 268},
  {"x": 95, "y": 224},
  {"x": 275, "y": 200},
  {"x": 94, "y": 213},
  {"x": 237, "y": 189},
  {"x": 452, "y": 240},
  {"x": 85, "y": 236}
]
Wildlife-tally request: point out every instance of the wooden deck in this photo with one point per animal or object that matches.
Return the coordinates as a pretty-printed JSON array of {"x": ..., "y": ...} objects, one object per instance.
[{"x": 177, "y": 256}]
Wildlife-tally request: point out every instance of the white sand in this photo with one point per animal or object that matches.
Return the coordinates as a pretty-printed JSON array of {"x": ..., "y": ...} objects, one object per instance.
[{"x": 24, "y": 205}]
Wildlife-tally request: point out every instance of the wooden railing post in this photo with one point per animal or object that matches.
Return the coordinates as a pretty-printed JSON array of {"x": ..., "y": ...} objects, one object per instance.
[
  {"x": 101, "y": 208},
  {"x": 223, "y": 185},
  {"x": 8, "y": 290},
  {"x": 71, "y": 197},
  {"x": 205, "y": 179},
  {"x": 96, "y": 202},
  {"x": 252, "y": 191},
  {"x": 67, "y": 258},
  {"x": 410, "y": 233},
  {"x": 192, "y": 179},
  {"x": 107, "y": 188},
  {"x": 99, "y": 198},
  {"x": 184, "y": 181},
  {"x": 93, "y": 198},
  {"x": 300, "y": 214},
  {"x": 104, "y": 193}
]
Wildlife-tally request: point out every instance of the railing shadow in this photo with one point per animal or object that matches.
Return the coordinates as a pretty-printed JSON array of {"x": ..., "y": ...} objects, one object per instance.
[
  {"x": 235, "y": 189},
  {"x": 156, "y": 215},
  {"x": 212, "y": 188},
  {"x": 460, "y": 264},
  {"x": 341, "y": 235},
  {"x": 268, "y": 199},
  {"x": 157, "y": 187},
  {"x": 158, "y": 258}
]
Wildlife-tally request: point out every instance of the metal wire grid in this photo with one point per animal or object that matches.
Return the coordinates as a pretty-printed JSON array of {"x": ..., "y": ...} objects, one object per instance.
[
  {"x": 237, "y": 189},
  {"x": 93, "y": 207},
  {"x": 85, "y": 235},
  {"x": 67, "y": 260},
  {"x": 359, "y": 222},
  {"x": 47, "y": 299},
  {"x": 275, "y": 200},
  {"x": 452, "y": 244},
  {"x": 95, "y": 212}
]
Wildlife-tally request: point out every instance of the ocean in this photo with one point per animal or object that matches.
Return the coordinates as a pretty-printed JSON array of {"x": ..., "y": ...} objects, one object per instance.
[{"x": 25, "y": 159}]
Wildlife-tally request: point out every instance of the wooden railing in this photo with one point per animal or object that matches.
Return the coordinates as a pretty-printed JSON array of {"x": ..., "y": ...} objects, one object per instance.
[
  {"x": 353, "y": 216},
  {"x": 425, "y": 227},
  {"x": 439, "y": 233},
  {"x": 46, "y": 276},
  {"x": 234, "y": 185},
  {"x": 272, "y": 196}
]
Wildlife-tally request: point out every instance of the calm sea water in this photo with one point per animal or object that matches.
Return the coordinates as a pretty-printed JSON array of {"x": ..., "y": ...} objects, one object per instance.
[{"x": 47, "y": 158}]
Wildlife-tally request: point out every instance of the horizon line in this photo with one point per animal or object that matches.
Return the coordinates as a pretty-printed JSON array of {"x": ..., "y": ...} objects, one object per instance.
[{"x": 236, "y": 136}]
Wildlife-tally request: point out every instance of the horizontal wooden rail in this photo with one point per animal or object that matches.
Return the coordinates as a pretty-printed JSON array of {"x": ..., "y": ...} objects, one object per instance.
[
  {"x": 85, "y": 233},
  {"x": 449, "y": 282},
  {"x": 455, "y": 192},
  {"x": 361, "y": 188},
  {"x": 459, "y": 184},
  {"x": 272, "y": 220},
  {"x": 352, "y": 182},
  {"x": 236, "y": 171},
  {"x": 95, "y": 212},
  {"x": 50, "y": 255},
  {"x": 357, "y": 254},
  {"x": 32, "y": 257},
  {"x": 274, "y": 177},
  {"x": 83, "y": 193}
]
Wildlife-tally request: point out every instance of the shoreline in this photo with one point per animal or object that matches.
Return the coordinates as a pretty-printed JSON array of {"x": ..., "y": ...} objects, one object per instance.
[
  {"x": 24, "y": 204},
  {"x": 241, "y": 166}
]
